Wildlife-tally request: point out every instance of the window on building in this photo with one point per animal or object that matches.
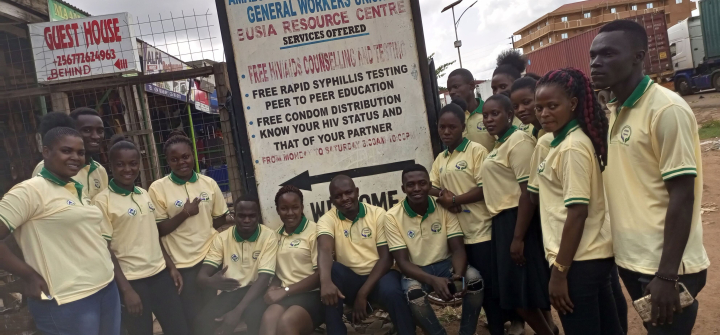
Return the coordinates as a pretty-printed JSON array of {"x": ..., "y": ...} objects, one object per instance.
[
  {"x": 532, "y": 48},
  {"x": 549, "y": 39},
  {"x": 564, "y": 36},
  {"x": 563, "y": 19},
  {"x": 650, "y": 5},
  {"x": 613, "y": 10},
  {"x": 678, "y": 1},
  {"x": 633, "y": 7},
  {"x": 586, "y": 15},
  {"x": 541, "y": 43}
]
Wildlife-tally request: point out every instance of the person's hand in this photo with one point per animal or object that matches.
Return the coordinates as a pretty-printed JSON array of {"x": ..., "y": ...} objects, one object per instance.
[
  {"x": 445, "y": 199},
  {"x": 132, "y": 302},
  {"x": 455, "y": 209},
  {"x": 274, "y": 295},
  {"x": 228, "y": 322},
  {"x": 192, "y": 208},
  {"x": 558, "y": 289},
  {"x": 517, "y": 252},
  {"x": 224, "y": 227},
  {"x": 177, "y": 279},
  {"x": 329, "y": 294},
  {"x": 665, "y": 299},
  {"x": 35, "y": 285},
  {"x": 218, "y": 281},
  {"x": 360, "y": 309},
  {"x": 440, "y": 286},
  {"x": 460, "y": 294}
]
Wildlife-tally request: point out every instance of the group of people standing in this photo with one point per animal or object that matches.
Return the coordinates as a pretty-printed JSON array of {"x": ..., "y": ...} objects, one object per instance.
[{"x": 538, "y": 200}]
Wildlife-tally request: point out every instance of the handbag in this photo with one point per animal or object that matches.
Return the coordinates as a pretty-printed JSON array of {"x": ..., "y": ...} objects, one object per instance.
[{"x": 644, "y": 305}]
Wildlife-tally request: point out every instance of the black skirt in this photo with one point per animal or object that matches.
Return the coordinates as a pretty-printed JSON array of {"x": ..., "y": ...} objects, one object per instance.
[
  {"x": 309, "y": 301},
  {"x": 524, "y": 287}
]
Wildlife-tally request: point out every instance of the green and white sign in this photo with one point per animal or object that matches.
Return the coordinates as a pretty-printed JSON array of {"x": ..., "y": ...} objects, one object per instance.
[{"x": 59, "y": 11}]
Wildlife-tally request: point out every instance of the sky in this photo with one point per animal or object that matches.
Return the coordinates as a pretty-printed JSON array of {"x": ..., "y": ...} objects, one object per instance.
[{"x": 484, "y": 30}]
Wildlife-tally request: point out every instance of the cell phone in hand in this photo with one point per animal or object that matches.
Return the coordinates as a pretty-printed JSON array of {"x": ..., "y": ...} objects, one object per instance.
[{"x": 369, "y": 310}]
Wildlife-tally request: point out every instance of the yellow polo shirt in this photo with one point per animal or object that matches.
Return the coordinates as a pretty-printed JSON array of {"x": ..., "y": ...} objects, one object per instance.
[
  {"x": 130, "y": 227},
  {"x": 297, "y": 253},
  {"x": 425, "y": 236},
  {"x": 459, "y": 172},
  {"x": 189, "y": 243},
  {"x": 59, "y": 233},
  {"x": 653, "y": 138},
  {"x": 542, "y": 147},
  {"x": 245, "y": 259},
  {"x": 475, "y": 129},
  {"x": 505, "y": 168},
  {"x": 571, "y": 175},
  {"x": 93, "y": 177},
  {"x": 356, "y": 241}
]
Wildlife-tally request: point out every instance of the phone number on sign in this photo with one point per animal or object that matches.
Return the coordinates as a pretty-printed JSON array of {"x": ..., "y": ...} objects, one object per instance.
[{"x": 85, "y": 57}]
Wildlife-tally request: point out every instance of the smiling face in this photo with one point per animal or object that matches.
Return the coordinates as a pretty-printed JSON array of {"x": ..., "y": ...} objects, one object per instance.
[
  {"x": 416, "y": 185},
  {"x": 554, "y": 107},
  {"x": 125, "y": 166},
  {"x": 65, "y": 157},
  {"x": 459, "y": 88},
  {"x": 180, "y": 158},
  {"x": 450, "y": 129},
  {"x": 290, "y": 209},
  {"x": 246, "y": 217},
  {"x": 345, "y": 196},
  {"x": 501, "y": 83},
  {"x": 613, "y": 59},
  {"x": 92, "y": 130},
  {"x": 497, "y": 120},
  {"x": 523, "y": 101}
]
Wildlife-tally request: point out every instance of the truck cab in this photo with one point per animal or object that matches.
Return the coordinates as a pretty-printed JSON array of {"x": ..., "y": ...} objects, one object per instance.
[{"x": 695, "y": 70}]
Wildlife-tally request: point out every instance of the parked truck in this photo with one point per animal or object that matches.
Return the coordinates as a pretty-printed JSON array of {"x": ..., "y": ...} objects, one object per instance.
[{"x": 695, "y": 50}]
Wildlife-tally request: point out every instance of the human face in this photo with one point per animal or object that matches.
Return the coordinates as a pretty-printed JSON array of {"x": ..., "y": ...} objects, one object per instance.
[
  {"x": 416, "y": 186},
  {"x": 496, "y": 119},
  {"x": 290, "y": 209},
  {"x": 92, "y": 130},
  {"x": 554, "y": 107},
  {"x": 345, "y": 196},
  {"x": 523, "y": 101},
  {"x": 459, "y": 88},
  {"x": 125, "y": 166},
  {"x": 501, "y": 83},
  {"x": 65, "y": 157},
  {"x": 181, "y": 161},
  {"x": 246, "y": 217},
  {"x": 450, "y": 129},
  {"x": 613, "y": 59}
]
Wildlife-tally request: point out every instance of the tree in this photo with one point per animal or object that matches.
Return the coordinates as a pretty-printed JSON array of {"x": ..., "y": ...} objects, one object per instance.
[{"x": 440, "y": 70}]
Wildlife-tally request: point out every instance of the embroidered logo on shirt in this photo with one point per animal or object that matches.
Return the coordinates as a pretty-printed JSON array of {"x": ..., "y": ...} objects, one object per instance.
[
  {"x": 151, "y": 206},
  {"x": 71, "y": 203},
  {"x": 480, "y": 126},
  {"x": 234, "y": 257},
  {"x": 347, "y": 233},
  {"x": 411, "y": 233},
  {"x": 97, "y": 183},
  {"x": 625, "y": 134},
  {"x": 436, "y": 227},
  {"x": 461, "y": 165},
  {"x": 366, "y": 233},
  {"x": 294, "y": 243},
  {"x": 132, "y": 212},
  {"x": 493, "y": 154},
  {"x": 524, "y": 127},
  {"x": 541, "y": 167},
  {"x": 178, "y": 203},
  {"x": 256, "y": 254},
  {"x": 204, "y": 196}
]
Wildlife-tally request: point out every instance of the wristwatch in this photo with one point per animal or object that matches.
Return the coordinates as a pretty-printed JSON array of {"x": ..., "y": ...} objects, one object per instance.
[
  {"x": 561, "y": 268},
  {"x": 287, "y": 290}
]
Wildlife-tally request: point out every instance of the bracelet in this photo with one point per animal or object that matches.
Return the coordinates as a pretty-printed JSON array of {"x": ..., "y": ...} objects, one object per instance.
[
  {"x": 453, "y": 200},
  {"x": 674, "y": 280}
]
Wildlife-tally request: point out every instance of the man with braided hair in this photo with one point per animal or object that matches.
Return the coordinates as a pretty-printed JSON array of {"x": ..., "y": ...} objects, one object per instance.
[
  {"x": 653, "y": 180},
  {"x": 575, "y": 229}
]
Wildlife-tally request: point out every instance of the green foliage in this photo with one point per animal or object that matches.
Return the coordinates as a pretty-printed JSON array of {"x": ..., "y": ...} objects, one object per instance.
[{"x": 710, "y": 129}]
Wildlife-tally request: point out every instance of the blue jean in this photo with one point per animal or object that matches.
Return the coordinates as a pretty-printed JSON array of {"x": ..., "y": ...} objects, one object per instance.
[
  {"x": 594, "y": 310},
  {"x": 424, "y": 314},
  {"x": 387, "y": 293},
  {"x": 98, "y": 314},
  {"x": 683, "y": 323}
]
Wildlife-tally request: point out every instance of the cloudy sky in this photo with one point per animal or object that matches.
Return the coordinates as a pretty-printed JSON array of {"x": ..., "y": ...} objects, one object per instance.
[{"x": 484, "y": 30}]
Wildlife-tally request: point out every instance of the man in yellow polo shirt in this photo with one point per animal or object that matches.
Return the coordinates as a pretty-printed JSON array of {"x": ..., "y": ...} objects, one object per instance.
[
  {"x": 653, "y": 180},
  {"x": 246, "y": 253},
  {"x": 361, "y": 273},
  {"x": 461, "y": 85},
  {"x": 427, "y": 243}
]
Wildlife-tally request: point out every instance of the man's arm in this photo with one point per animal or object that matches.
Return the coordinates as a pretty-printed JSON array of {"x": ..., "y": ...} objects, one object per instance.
[
  {"x": 382, "y": 266},
  {"x": 459, "y": 257},
  {"x": 329, "y": 293}
]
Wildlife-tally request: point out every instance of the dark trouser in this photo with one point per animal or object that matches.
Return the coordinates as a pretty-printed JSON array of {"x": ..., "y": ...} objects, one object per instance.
[
  {"x": 205, "y": 323},
  {"x": 387, "y": 293},
  {"x": 683, "y": 323},
  {"x": 193, "y": 297},
  {"x": 589, "y": 288},
  {"x": 620, "y": 303},
  {"x": 478, "y": 256},
  {"x": 98, "y": 314},
  {"x": 159, "y": 296}
]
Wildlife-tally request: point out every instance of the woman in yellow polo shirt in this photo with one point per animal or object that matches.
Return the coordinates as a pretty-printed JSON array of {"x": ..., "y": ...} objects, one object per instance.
[
  {"x": 292, "y": 303},
  {"x": 148, "y": 281},
  {"x": 576, "y": 233},
  {"x": 521, "y": 273},
  {"x": 457, "y": 182},
  {"x": 67, "y": 269},
  {"x": 522, "y": 95},
  {"x": 510, "y": 66},
  {"x": 188, "y": 209}
]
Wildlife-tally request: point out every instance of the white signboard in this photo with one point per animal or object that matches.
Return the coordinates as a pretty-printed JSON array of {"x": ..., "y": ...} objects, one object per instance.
[
  {"x": 329, "y": 87},
  {"x": 84, "y": 48},
  {"x": 158, "y": 61}
]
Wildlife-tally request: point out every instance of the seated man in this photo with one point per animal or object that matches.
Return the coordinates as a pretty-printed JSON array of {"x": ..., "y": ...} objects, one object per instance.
[
  {"x": 355, "y": 232},
  {"x": 426, "y": 241},
  {"x": 246, "y": 253}
]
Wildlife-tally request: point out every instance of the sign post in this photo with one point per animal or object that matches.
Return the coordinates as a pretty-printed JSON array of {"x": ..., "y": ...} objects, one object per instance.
[{"x": 328, "y": 87}]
